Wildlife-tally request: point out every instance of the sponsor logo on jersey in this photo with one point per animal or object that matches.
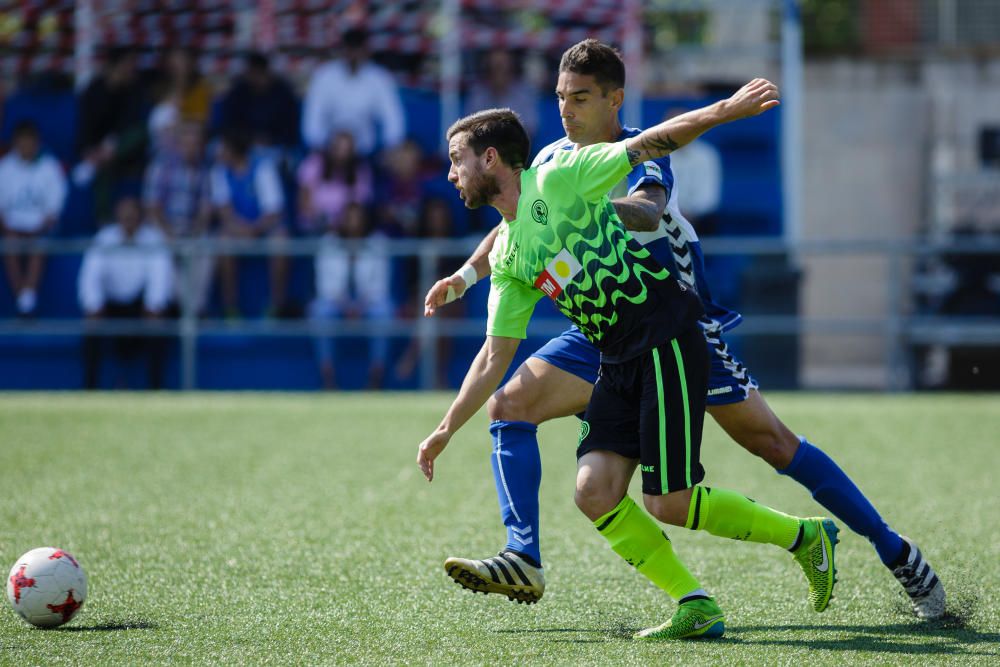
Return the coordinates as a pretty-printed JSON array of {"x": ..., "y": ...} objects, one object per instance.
[
  {"x": 558, "y": 273},
  {"x": 509, "y": 259},
  {"x": 653, "y": 169},
  {"x": 540, "y": 212}
]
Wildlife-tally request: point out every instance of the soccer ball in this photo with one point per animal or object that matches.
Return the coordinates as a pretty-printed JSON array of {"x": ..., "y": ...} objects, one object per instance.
[{"x": 46, "y": 587}]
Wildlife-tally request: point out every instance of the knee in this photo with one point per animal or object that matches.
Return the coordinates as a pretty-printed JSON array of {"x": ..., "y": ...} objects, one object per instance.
[
  {"x": 595, "y": 499},
  {"x": 510, "y": 406},
  {"x": 671, "y": 508}
]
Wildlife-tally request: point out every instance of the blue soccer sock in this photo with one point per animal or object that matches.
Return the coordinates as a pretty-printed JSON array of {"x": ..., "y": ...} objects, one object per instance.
[
  {"x": 517, "y": 471},
  {"x": 834, "y": 490}
]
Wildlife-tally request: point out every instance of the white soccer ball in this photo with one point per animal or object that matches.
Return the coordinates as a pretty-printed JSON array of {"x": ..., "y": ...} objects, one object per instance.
[{"x": 46, "y": 587}]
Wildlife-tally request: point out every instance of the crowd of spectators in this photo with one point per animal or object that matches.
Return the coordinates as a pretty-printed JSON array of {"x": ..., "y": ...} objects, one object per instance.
[{"x": 172, "y": 155}]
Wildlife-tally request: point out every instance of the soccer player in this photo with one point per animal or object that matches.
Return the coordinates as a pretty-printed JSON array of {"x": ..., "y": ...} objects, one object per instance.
[
  {"x": 558, "y": 379},
  {"x": 560, "y": 237}
]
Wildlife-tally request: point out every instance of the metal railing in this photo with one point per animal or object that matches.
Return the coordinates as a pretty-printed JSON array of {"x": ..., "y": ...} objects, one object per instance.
[{"x": 897, "y": 327}]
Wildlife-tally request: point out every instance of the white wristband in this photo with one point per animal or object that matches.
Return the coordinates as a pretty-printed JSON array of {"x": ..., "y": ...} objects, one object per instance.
[{"x": 468, "y": 274}]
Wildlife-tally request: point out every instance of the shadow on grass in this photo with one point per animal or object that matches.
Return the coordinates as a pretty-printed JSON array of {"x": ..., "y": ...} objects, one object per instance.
[
  {"x": 958, "y": 637},
  {"x": 110, "y": 626}
]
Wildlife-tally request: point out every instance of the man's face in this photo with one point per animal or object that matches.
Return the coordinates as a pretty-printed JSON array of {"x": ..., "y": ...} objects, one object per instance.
[
  {"x": 26, "y": 145},
  {"x": 475, "y": 186},
  {"x": 129, "y": 215},
  {"x": 588, "y": 115}
]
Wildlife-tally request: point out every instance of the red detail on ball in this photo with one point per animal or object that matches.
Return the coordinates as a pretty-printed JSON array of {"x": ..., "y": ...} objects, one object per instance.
[
  {"x": 59, "y": 553},
  {"x": 67, "y": 608},
  {"x": 20, "y": 581}
]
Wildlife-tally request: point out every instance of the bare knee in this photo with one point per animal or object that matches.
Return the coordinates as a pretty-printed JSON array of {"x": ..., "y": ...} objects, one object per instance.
[
  {"x": 510, "y": 405},
  {"x": 671, "y": 508},
  {"x": 596, "y": 499}
]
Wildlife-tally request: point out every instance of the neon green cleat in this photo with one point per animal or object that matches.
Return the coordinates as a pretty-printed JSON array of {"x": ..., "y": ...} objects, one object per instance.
[
  {"x": 815, "y": 556},
  {"x": 698, "y": 619}
]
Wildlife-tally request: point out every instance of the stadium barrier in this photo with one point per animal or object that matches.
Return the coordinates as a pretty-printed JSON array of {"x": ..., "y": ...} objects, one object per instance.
[{"x": 899, "y": 328}]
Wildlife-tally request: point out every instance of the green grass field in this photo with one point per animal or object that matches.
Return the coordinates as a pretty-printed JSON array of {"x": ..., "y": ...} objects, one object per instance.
[{"x": 296, "y": 529}]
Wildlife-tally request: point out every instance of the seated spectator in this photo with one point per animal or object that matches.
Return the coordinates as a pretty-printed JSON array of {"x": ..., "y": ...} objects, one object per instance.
[
  {"x": 355, "y": 95},
  {"x": 248, "y": 200},
  {"x": 32, "y": 192},
  {"x": 186, "y": 97},
  {"x": 176, "y": 199},
  {"x": 261, "y": 105},
  {"x": 353, "y": 283},
  {"x": 127, "y": 273},
  {"x": 402, "y": 190},
  {"x": 436, "y": 222},
  {"x": 112, "y": 131},
  {"x": 500, "y": 86},
  {"x": 329, "y": 181}
]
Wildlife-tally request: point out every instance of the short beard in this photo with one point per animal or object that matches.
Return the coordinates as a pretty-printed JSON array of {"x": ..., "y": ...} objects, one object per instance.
[{"x": 482, "y": 191}]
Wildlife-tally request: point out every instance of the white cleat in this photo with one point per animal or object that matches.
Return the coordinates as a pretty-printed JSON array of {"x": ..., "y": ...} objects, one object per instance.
[
  {"x": 921, "y": 583},
  {"x": 506, "y": 573}
]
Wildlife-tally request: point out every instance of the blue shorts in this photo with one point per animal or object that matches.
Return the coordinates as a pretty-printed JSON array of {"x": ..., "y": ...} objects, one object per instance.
[{"x": 729, "y": 380}]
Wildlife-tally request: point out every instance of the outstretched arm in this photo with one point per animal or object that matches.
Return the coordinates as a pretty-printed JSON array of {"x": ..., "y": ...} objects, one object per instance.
[
  {"x": 752, "y": 99},
  {"x": 480, "y": 382},
  {"x": 453, "y": 287}
]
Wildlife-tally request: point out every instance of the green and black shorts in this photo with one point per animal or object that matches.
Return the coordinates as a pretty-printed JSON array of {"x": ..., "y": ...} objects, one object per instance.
[{"x": 652, "y": 408}]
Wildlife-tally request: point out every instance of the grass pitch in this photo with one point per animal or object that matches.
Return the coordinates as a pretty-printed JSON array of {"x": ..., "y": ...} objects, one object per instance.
[{"x": 296, "y": 529}]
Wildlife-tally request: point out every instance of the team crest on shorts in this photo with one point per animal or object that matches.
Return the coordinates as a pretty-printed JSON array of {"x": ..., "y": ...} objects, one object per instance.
[{"x": 584, "y": 431}]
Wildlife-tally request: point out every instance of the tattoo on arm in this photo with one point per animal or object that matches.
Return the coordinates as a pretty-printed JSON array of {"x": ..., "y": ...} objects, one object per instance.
[{"x": 650, "y": 146}]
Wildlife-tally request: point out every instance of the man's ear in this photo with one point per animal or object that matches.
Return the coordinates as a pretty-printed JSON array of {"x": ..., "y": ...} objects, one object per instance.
[
  {"x": 490, "y": 157},
  {"x": 617, "y": 98}
]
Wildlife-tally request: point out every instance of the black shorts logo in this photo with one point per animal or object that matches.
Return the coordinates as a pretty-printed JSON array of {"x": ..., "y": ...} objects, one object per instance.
[
  {"x": 540, "y": 212},
  {"x": 584, "y": 431}
]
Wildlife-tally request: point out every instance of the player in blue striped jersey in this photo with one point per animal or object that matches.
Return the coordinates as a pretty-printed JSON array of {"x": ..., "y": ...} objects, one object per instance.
[{"x": 558, "y": 379}]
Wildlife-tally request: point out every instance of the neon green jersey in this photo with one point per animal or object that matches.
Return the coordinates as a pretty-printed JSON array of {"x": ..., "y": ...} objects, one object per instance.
[{"x": 566, "y": 242}]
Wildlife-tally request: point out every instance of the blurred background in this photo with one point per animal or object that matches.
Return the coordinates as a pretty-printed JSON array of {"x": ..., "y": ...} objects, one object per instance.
[{"x": 194, "y": 194}]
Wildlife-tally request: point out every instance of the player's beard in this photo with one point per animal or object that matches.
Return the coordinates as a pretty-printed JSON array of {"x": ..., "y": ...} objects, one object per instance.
[{"x": 480, "y": 191}]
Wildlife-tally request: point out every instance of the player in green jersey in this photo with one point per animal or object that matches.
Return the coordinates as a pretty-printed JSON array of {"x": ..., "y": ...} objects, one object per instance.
[{"x": 560, "y": 237}]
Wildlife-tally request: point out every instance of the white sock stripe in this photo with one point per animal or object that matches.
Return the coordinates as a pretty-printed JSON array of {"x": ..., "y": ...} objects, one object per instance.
[{"x": 503, "y": 479}]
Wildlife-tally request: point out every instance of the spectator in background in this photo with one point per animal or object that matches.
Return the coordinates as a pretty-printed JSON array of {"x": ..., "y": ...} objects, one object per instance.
[
  {"x": 112, "y": 131},
  {"x": 32, "y": 192},
  {"x": 261, "y": 105},
  {"x": 402, "y": 190},
  {"x": 248, "y": 200},
  {"x": 698, "y": 179},
  {"x": 355, "y": 95},
  {"x": 436, "y": 222},
  {"x": 353, "y": 282},
  {"x": 329, "y": 180},
  {"x": 127, "y": 273},
  {"x": 186, "y": 97},
  {"x": 176, "y": 198},
  {"x": 499, "y": 85}
]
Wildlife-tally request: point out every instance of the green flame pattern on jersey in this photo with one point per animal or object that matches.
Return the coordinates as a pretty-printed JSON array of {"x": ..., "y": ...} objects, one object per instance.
[
  {"x": 567, "y": 242},
  {"x": 593, "y": 302}
]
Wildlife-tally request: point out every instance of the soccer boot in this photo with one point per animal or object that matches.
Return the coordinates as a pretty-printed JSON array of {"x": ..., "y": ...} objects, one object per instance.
[
  {"x": 921, "y": 583},
  {"x": 697, "y": 619},
  {"x": 815, "y": 557},
  {"x": 507, "y": 573}
]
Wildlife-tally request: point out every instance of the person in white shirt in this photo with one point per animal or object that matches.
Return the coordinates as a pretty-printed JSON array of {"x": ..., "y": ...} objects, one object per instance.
[
  {"x": 127, "y": 273},
  {"x": 353, "y": 282},
  {"x": 32, "y": 192},
  {"x": 353, "y": 94},
  {"x": 249, "y": 202}
]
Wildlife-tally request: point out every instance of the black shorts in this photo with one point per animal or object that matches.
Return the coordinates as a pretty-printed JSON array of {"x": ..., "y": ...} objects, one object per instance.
[{"x": 652, "y": 408}]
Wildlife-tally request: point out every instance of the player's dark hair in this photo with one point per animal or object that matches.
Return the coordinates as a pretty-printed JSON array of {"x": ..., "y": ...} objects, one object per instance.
[
  {"x": 26, "y": 128},
  {"x": 593, "y": 58},
  {"x": 500, "y": 128},
  {"x": 256, "y": 60}
]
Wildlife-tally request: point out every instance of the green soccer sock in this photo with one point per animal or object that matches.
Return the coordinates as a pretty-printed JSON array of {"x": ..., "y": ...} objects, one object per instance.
[
  {"x": 634, "y": 536},
  {"x": 729, "y": 514}
]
